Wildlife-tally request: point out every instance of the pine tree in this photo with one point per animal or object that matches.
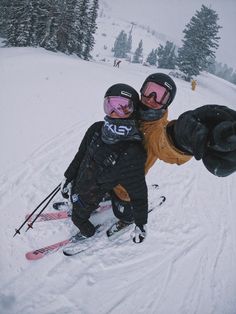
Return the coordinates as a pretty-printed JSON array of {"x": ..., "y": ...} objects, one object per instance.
[
  {"x": 48, "y": 24},
  {"x": 34, "y": 11},
  {"x": 152, "y": 57},
  {"x": 58, "y": 25},
  {"x": 91, "y": 29},
  {"x": 138, "y": 54},
  {"x": 17, "y": 21},
  {"x": 166, "y": 56},
  {"x": 199, "y": 43},
  {"x": 29, "y": 22},
  {"x": 66, "y": 27},
  {"x": 129, "y": 43},
  {"x": 120, "y": 45},
  {"x": 4, "y": 17},
  {"x": 22, "y": 21},
  {"x": 81, "y": 25}
]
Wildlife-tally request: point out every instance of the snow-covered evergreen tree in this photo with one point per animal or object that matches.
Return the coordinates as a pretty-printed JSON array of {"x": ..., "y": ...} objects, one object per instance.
[
  {"x": 120, "y": 45},
  {"x": 58, "y": 25},
  {"x": 152, "y": 57},
  {"x": 81, "y": 25},
  {"x": 34, "y": 12},
  {"x": 23, "y": 22},
  {"x": 138, "y": 54},
  {"x": 91, "y": 29},
  {"x": 4, "y": 17},
  {"x": 18, "y": 23},
  {"x": 200, "y": 42},
  {"x": 166, "y": 56},
  {"x": 66, "y": 41},
  {"x": 223, "y": 71},
  {"x": 29, "y": 22},
  {"x": 50, "y": 12},
  {"x": 129, "y": 43}
]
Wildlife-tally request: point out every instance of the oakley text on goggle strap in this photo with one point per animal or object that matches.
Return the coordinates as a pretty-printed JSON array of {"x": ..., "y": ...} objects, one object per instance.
[
  {"x": 120, "y": 105},
  {"x": 160, "y": 93}
]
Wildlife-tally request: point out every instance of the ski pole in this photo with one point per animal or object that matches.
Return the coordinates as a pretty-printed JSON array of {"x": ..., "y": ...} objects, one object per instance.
[
  {"x": 18, "y": 230},
  {"x": 30, "y": 225}
]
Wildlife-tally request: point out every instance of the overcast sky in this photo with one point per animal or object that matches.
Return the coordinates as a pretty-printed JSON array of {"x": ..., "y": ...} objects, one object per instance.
[{"x": 171, "y": 16}]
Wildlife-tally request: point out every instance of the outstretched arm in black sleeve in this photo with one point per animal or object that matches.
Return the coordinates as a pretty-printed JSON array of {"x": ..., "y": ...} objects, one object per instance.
[{"x": 208, "y": 133}]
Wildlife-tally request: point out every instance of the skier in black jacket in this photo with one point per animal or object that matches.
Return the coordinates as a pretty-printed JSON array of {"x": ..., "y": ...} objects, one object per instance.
[{"x": 110, "y": 154}]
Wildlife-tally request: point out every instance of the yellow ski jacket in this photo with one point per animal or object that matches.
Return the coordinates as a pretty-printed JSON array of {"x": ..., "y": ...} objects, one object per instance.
[{"x": 158, "y": 145}]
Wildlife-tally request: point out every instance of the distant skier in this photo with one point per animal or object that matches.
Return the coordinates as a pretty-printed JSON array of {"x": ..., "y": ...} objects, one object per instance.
[
  {"x": 193, "y": 84},
  {"x": 118, "y": 63},
  {"x": 110, "y": 154},
  {"x": 208, "y": 133}
]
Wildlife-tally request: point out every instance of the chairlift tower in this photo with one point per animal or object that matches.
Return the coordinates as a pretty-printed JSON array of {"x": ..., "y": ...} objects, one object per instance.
[{"x": 132, "y": 25}]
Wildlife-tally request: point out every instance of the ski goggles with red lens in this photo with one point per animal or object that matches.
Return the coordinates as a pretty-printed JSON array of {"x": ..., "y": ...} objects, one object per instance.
[
  {"x": 160, "y": 93},
  {"x": 120, "y": 105}
]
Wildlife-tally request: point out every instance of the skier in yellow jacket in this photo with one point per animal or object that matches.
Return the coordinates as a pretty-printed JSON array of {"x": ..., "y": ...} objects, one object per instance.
[
  {"x": 153, "y": 124},
  {"x": 208, "y": 133},
  {"x": 193, "y": 84}
]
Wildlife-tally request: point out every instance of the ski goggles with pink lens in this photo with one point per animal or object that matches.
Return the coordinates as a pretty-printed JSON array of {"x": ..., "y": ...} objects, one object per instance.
[
  {"x": 120, "y": 105},
  {"x": 160, "y": 93}
]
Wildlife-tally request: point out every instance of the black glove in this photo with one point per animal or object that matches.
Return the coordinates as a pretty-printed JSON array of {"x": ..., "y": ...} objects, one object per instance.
[
  {"x": 224, "y": 137},
  {"x": 209, "y": 133},
  {"x": 139, "y": 234},
  {"x": 65, "y": 188},
  {"x": 220, "y": 155},
  {"x": 190, "y": 135}
]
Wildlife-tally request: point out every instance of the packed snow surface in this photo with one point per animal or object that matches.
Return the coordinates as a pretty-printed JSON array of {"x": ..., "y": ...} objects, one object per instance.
[{"x": 187, "y": 263}]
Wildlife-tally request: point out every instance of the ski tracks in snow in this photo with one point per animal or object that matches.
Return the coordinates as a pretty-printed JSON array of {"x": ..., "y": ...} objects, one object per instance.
[
  {"x": 208, "y": 206},
  {"x": 190, "y": 248}
]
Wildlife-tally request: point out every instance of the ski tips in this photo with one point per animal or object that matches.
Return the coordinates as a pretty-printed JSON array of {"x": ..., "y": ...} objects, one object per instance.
[
  {"x": 35, "y": 255},
  {"x": 67, "y": 254}
]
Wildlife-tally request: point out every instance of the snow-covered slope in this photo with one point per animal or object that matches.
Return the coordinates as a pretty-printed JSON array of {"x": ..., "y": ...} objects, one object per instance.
[
  {"x": 109, "y": 28},
  {"x": 186, "y": 264}
]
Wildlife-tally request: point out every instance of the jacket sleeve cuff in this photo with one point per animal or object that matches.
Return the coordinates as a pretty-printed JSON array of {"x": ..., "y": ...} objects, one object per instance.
[{"x": 171, "y": 137}]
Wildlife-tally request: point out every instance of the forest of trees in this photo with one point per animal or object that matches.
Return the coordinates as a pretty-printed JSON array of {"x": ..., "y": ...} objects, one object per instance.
[
  {"x": 167, "y": 56},
  {"x": 197, "y": 53},
  {"x": 57, "y": 25},
  {"x": 223, "y": 71},
  {"x": 69, "y": 26}
]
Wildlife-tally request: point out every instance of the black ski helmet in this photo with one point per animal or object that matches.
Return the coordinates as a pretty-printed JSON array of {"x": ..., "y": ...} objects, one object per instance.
[
  {"x": 125, "y": 91},
  {"x": 164, "y": 80}
]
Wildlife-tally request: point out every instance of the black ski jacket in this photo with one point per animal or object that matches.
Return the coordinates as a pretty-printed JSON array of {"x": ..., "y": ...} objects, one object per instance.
[{"x": 98, "y": 167}]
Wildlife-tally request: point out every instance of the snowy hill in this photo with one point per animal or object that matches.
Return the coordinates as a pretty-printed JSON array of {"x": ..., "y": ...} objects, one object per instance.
[
  {"x": 187, "y": 263},
  {"x": 110, "y": 27}
]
